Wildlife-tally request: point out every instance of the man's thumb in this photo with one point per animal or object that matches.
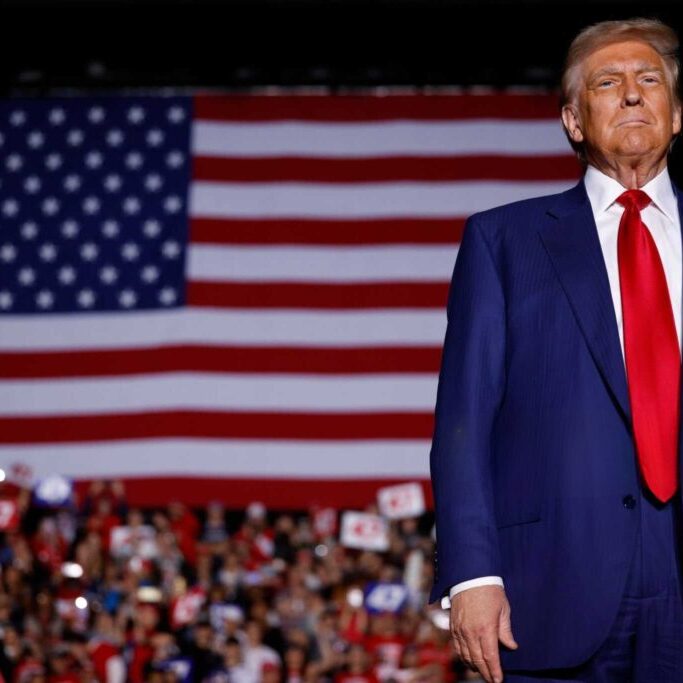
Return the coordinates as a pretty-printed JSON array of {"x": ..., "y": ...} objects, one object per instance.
[{"x": 505, "y": 631}]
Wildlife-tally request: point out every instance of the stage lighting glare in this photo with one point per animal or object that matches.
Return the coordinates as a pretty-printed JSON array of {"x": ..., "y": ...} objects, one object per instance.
[
  {"x": 72, "y": 570},
  {"x": 355, "y": 597}
]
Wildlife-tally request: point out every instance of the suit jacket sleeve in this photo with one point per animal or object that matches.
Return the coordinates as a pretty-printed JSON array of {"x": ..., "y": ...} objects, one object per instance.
[{"x": 471, "y": 386}]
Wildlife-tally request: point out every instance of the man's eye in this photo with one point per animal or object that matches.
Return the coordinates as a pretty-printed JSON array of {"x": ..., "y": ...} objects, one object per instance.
[
  {"x": 651, "y": 79},
  {"x": 605, "y": 84}
]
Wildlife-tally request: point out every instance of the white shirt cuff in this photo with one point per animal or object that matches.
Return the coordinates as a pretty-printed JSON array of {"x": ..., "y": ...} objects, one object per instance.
[{"x": 472, "y": 583}]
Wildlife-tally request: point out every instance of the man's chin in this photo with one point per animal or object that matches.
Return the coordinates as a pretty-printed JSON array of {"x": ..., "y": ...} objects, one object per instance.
[{"x": 634, "y": 146}]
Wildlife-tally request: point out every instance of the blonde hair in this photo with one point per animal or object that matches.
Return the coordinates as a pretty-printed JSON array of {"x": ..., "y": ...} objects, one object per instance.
[{"x": 655, "y": 33}]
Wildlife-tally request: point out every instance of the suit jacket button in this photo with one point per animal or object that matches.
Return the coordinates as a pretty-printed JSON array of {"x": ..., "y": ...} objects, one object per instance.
[{"x": 629, "y": 502}]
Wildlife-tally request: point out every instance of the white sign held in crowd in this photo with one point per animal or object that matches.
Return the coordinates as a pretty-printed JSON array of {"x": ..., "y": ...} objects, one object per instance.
[
  {"x": 185, "y": 609},
  {"x": 364, "y": 531},
  {"x": 401, "y": 501},
  {"x": 127, "y": 541}
]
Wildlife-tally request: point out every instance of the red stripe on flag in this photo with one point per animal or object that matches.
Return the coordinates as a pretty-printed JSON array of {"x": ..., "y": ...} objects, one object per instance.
[
  {"x": 317, "y": 296},
  {"x": 332, "y": 231},
  {"x": 215, "y": 425},
  {"x": 233, "y": 359},
  {"x": 358, "y": 108},
  {"x": 369, "y": 170},
  {"x": 237, "y": 493}
]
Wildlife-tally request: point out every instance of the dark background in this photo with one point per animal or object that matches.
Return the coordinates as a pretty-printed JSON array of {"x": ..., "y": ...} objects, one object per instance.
[{"x": 58, "y": 46}]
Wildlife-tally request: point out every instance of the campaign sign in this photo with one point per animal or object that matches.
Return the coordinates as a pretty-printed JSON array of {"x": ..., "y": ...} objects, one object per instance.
[
  {"x": 385, "y": 597},
  {"x": 185, "y": 608},
  {"x": 401, "y": 501},
  {"x": 364, "y": 531},
  {"x": 53, "y": 491},
  {"x": 138, "y": 541}
]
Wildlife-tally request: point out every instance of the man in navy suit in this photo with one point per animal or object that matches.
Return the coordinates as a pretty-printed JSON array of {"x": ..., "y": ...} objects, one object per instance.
[{"x": 556, "y": 446}]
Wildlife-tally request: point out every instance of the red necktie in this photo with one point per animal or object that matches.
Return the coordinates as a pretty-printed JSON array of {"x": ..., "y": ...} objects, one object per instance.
[{"x": 653, "y": 361}]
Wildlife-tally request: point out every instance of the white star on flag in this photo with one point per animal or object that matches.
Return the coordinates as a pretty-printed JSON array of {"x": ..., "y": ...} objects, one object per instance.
[{"x": 70, "y": 229}]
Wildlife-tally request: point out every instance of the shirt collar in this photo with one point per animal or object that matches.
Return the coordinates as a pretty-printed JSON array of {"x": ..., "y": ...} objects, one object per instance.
[{"x": 603, "y": 191}]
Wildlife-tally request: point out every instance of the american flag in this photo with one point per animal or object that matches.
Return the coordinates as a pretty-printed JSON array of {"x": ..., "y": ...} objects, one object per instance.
[{"x": 243, "y": 297}]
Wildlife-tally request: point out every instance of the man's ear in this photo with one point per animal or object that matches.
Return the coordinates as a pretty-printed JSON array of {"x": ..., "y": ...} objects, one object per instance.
[
  {"x": 570, "y": 120},
  {"x": 677, "y": 119}
]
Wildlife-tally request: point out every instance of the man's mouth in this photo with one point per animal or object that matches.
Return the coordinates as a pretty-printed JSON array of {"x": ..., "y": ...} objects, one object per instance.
[{"x": 634, "y": 122}]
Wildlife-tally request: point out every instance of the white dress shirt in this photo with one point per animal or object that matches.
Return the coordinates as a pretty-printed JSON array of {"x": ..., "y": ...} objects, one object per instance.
[{"x": 662, "y": 219}]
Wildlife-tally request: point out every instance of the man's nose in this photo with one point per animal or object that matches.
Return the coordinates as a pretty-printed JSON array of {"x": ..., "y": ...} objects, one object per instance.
[{"x": 632, "y": 94}]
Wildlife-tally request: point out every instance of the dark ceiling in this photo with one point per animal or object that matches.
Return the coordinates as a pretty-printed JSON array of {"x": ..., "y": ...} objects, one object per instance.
[{"x": 100, "y": 44}]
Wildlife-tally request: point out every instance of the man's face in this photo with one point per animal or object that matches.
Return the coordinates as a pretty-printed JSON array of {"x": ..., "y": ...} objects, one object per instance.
[{"x": 625, "y": 107}]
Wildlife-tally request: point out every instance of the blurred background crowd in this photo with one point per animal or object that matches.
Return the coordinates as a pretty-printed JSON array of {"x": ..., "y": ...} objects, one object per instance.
[{"x": 97, "y": 590}]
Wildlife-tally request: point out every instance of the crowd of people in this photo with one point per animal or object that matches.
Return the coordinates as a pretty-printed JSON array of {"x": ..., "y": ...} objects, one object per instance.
[{"x": 96, "y": 590}]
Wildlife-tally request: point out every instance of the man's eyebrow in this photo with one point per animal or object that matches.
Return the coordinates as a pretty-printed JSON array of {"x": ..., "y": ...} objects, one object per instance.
[{"x": 612, "y": 69}]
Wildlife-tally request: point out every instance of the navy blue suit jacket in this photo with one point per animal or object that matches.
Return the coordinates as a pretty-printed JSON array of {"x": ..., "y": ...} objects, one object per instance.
[{"x": 532, "y": 459}]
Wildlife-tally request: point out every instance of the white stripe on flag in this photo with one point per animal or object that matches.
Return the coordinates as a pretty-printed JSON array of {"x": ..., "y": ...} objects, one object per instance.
[
  {"x": 254, "y": 327},
  {"x": 322, "y": 264},
  {"x": 384, "y": 138},
  {"x": 332, "y": 200},
  {"x": 197, "y": 391},
  {"x": 225, "y": 458}
]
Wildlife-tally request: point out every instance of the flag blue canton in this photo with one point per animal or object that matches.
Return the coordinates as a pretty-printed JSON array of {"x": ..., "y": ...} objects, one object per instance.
[{"x": 93, "y": 203}]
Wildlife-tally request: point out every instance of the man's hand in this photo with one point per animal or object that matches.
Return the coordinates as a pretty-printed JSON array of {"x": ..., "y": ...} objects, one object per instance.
[{"x": 479, "y": 618}]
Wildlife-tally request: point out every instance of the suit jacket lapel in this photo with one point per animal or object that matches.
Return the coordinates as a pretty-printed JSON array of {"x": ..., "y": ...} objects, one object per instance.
[{"x": 571, "y": 239}]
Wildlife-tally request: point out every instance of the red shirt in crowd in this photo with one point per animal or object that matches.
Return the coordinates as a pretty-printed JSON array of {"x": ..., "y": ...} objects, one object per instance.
[
  {"x": 431, "y": 653},
  {"x": 100, "y": 653},
  {"x": 386, "y": 649},
  {"x": 259, "y": 543},
  {"x": 186, "y": 530},
  {"x": 102, "y": 526}
]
